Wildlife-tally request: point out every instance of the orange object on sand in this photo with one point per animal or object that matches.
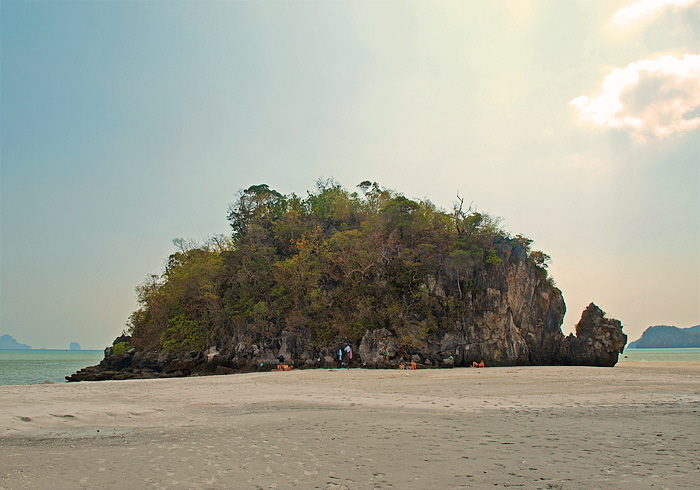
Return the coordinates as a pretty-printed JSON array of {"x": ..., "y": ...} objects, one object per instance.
[{"x": 283, "y": 367}]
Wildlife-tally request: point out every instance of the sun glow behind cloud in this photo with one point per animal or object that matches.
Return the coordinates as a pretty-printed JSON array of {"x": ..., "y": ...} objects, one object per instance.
[
  {"x": 644, "y": 10},
  {"x": 649, "y": 97}
]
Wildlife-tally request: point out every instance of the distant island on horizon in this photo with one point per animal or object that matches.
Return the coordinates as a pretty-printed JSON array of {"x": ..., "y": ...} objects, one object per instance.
[
  {"x": 8, "y": 342},
  {"x": 668, "y": 337}
]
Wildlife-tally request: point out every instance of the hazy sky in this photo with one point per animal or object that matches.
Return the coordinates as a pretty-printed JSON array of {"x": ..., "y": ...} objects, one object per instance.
[{"x": 126, "y": 124}]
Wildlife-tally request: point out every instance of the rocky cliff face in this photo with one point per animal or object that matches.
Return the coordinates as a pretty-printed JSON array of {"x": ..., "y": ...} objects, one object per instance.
[
  {"x": 513, "y": 316},
  {"x": 598, "y": 340}
]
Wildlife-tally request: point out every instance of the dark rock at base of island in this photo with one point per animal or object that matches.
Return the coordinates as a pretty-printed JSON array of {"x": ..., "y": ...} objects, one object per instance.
[{"x": 598, "y": 342}]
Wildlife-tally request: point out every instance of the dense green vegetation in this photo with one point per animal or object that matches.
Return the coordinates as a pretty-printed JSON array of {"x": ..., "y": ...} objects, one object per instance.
[
  {"x": 120, "y": 348},
  {"x": 332, "y": 265}
]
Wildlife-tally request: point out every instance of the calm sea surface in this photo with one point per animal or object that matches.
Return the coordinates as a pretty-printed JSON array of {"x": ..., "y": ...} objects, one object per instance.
[
  {"x": 661, "y": 355},
  {"x": 18, "y": 367},
  {"x": 25, "y": 366}
]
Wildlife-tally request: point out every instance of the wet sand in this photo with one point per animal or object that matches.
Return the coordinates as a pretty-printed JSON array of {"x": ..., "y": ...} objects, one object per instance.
[{"x": 633, "y": 426}]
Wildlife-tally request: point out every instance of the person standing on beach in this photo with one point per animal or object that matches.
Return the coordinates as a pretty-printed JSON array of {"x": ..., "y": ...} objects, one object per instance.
[{"x": 348, "y": 349}]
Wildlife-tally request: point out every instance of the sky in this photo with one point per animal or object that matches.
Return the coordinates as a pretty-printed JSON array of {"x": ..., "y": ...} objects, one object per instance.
[{"x": 127, "y": 124}]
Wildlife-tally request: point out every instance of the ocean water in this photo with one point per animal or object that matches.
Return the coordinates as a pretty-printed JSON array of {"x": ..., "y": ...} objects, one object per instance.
[
  {"x": 661, "y": 355},
  {"x": 29, "y": 366}
]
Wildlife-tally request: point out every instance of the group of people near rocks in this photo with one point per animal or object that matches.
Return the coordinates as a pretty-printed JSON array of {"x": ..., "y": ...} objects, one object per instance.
[
  {"x": 345, "y": 353},
  {"x": 282, "y": 366},
  {"x": 411, "y": 366}
]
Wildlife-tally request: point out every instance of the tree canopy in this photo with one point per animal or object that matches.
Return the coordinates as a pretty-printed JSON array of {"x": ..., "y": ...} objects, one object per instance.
[{"x": 332, "y": 264}]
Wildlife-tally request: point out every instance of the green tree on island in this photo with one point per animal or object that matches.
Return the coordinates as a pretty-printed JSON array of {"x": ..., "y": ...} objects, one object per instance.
[{"x": 331, "y": 265}]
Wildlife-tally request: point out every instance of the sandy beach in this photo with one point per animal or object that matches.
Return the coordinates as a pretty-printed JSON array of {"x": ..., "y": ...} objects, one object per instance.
[{"x": 633, "y": 426}]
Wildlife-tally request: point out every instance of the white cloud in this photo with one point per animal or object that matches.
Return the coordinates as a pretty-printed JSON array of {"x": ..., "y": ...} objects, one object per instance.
[
  {"x": 643, "y": 10},
  {"x": 649, "y": 97}
]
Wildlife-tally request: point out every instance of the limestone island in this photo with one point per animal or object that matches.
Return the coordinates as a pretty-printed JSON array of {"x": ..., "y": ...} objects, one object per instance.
[
  {"x": 9, "y": 342},
  {"x": 668, "y": 337},
  {"x": 352, "y": 279}
]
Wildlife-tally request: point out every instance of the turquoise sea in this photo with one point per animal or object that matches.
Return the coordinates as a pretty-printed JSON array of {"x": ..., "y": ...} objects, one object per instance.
[
  {"x": 24, "y": 366},
  {"x": 661, "y": 355},
  {"x": 30, "y": 366}
]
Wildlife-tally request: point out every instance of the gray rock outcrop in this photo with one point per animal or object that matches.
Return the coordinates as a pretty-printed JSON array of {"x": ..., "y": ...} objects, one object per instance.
[{"x": 598, "y": 340}]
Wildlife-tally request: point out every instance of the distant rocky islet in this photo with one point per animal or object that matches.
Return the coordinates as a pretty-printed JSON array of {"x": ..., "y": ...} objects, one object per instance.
[
  {"x": 8, "y": 342},
  {"x": 668, "y": 337}
]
